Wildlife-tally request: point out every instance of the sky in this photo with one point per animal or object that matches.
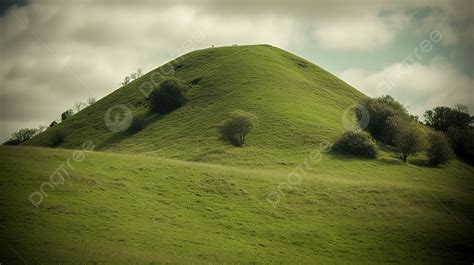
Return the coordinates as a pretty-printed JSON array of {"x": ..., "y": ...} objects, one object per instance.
[{"x": 56, "y": 53}]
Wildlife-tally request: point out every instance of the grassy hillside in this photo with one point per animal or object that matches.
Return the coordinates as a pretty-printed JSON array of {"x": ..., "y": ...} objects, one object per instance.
[
  {"x": 298, "y": 105},
  {"x": 174, "y": 193},
  {"x": 116, "y": 208}
]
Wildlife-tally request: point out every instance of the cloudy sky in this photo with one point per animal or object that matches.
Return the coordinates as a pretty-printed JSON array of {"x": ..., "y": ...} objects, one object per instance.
[{"x": 54, "y": 53}]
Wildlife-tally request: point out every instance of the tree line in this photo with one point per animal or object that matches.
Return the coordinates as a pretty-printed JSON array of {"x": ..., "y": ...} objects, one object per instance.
[{"x": 443, "y": 132}]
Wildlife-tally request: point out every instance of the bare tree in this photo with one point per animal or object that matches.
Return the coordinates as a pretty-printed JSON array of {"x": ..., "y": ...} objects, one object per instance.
[
  {"x": 126, "y": 81},
  {"x": 91, "y": 101},
  {"x": 78, "y": 106}
]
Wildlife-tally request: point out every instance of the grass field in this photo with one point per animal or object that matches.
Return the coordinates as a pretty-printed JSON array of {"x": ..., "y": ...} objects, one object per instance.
[
  {"x": 174, "y": 193},
  {"x": 116, "y": 208}
]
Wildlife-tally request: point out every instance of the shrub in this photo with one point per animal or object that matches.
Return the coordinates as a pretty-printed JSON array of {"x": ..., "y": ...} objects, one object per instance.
[
  {"x": 53, "y": 123},
  {"x": 136, "y": 126},
  {"x": 358, "y": 143},
  {"x": 380, "y": 110},
  {"x": 168, "y": 97},
  {"x": 67, "y": 114},
  {"x": 236, "y": 128},
  {"x": 56, "y": 138},
  {"x": 408, "y": 136},
  {"x": 439, "y": 150}
]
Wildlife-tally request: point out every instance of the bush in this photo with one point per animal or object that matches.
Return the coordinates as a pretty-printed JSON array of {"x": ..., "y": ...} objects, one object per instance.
[
  {"x": 236, "y": 128},
  {"x": 380, "y": 110},
  {"x": 439, "y": 150},
  {"x": 136, "y": 126},
  {"x": 358, "y": 143},
  {"x": 56, "y": 138},
  {"x": 67, "y": 114},
  {"x": 408, "y": 136},
  {"x": 168, "y": 97}
]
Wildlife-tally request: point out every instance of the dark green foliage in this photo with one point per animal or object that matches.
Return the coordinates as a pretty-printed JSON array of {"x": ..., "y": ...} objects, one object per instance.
[
  {"x": 439, "y": 150},
  {"x": 236, "y": 128},
  {"x": 53, "y": 123},
  {"x": 66, "y": 115},
  {"x": 380, "y": 110},
  {"x": 21, "y": 136},
  {"x": 168, "y": 97},
  {"x": 358, "y": 143},
  {"x": 12, "y": 142},
  {"x": 56, "y": 138},
  {"x": 443, "y": 118},
  {"x": 137, "y": 125},
  {"x": 408, "y": 136},
  {"x": 462, "y": 142}
]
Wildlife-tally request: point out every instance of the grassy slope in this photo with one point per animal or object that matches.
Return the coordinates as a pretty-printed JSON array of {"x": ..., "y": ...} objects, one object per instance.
[
  {"x": 119, "y": 208},
  {"x": 296, "y": 102}
]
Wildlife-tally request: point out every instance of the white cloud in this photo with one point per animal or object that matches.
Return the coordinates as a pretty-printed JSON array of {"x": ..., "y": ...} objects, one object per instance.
[
  {"x": 420, "y": 87},
  {"x": 363, "y": 34}
]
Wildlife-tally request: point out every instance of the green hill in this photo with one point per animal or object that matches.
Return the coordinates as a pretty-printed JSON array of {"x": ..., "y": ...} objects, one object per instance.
[
  {"x": 297, "y": 103},
  {"x": 174, "y": 193}
]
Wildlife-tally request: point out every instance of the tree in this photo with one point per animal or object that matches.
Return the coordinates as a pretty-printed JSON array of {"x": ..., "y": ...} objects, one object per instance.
[
  {"x": 139, "y": 72},
  {"x": 462, "y": 142},
  {"x": 21, "y": 136},
  {"x": 408, "y": 136},
  {"x": 126, "y": 81},
  {"x": 380, "y": 110},
  {"x": 236, "y": 128},
  {"x": 168, "y": 97},
  {"x": 91, "y": 101},
  {"x": 357, "y": 143},
  {"x": 66, "y": 115},
  {"x": 78, "y": 106},
  {"x": 443, "y": 118},
  {"x": 439, "y": 150}
]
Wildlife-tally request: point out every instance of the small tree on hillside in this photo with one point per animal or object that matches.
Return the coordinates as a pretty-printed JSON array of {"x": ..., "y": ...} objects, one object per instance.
[
  {"x": 236, "y": 128},
  {"x": 78, "y": 106},
  {"x": 439, "y": 150},
  {"x": 168, "y": 97},
  {"x": 408, "y": 136},
  {"x": 66, "y": 115},
  {"x": 91, "y": 101}
]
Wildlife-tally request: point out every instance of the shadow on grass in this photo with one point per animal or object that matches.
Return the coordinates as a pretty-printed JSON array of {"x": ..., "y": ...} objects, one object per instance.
[
  {"x": 421, "y": 163},
  {"x": 120, "y": 136}
]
